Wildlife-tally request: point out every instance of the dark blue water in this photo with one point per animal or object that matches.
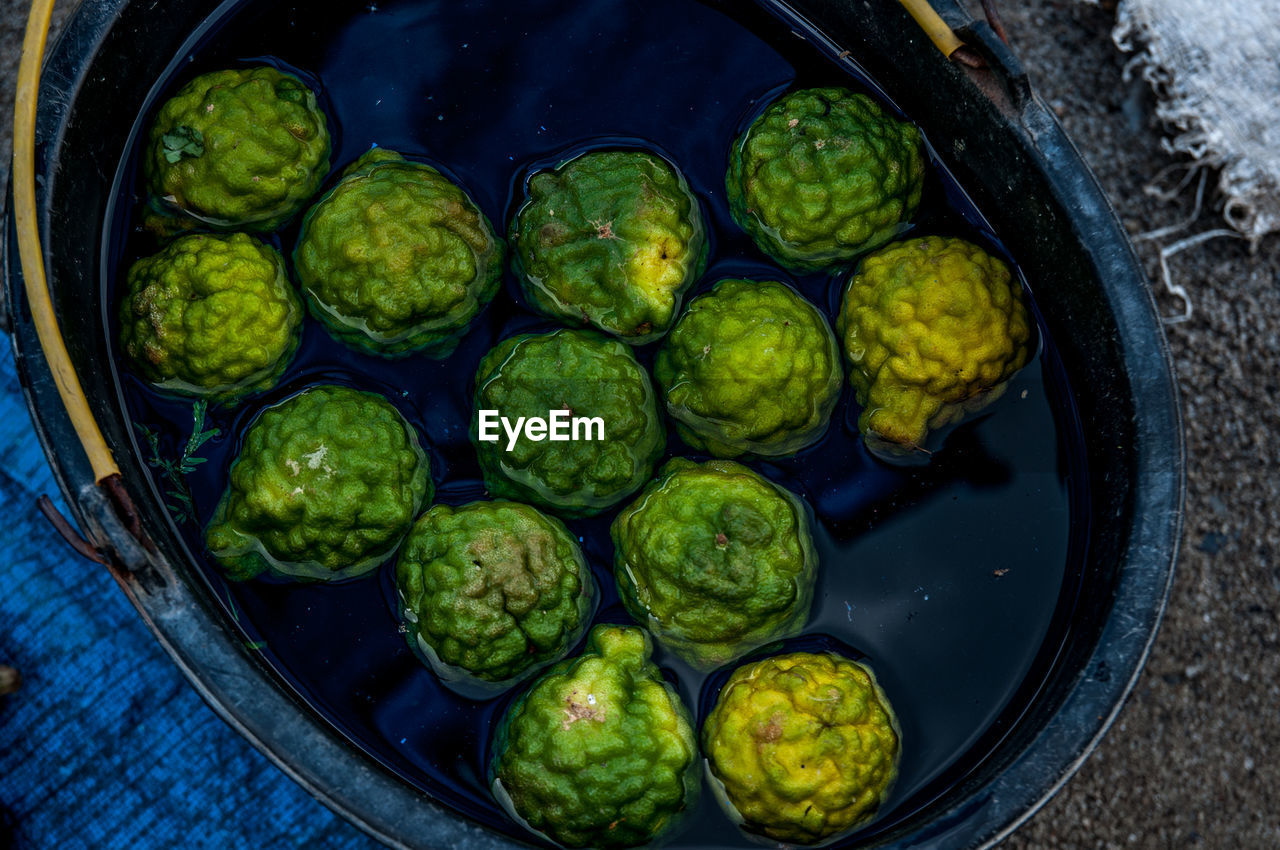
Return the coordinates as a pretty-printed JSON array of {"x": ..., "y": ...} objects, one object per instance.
[{"x": 955, "y": 580}]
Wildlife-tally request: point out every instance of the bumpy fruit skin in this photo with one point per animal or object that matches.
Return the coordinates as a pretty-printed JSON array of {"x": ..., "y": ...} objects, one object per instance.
[
  {"x": 599, "y": 752},
  {"x": 211, "y": 316},
  {"x": 824, "y": 175},
  {"x": 803, "y": 746},
  {"x": 397, "y": 258},
  {"x": 612, "y": 239},
  {"x": 751, "y": 367},
  {"x": 492, "y": 591},
  {"x": 248, "y": 147},
  {"x": 591, "y": 376},
  {"x": 326, "y": 485},
  {"x": 933, "y": 329},
  {"x": 715, "y": 560}
]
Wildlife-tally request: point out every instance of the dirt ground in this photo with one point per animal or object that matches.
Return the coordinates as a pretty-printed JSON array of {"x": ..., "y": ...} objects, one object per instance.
[{"x": 1192, "y": 760}]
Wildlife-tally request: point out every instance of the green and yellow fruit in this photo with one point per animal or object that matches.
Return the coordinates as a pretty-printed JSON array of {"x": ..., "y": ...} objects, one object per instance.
[
  {"x": 750, "y": 368},
  {"x": 325, "y": 486},
  {"x": 599, "y": 752},
  {"x": 612, "y": 239},
  {"x": 824, "y": 175},
  {"x": 801, "y": 747},
  {"x": 492, "y": 591},
  {"x": 238, "y": 149},
  {"x": 715, "y": 560},
  {"x": 933, "y": 329},
  {"x": 211, "y": 316},
  {"x": 397, "y": 258},
  {"x": 585, "y": 375}
]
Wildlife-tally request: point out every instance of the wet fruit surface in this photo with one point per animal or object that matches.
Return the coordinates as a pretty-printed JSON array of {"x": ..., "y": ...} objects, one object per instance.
[
  {"x": 715, "y": 560},
  {"x": 492, "y": 590},
  {"x": 805, "y": 746},
  {"x": 586, "y": 376},
  {"x": 909, "y": 553},
  {"x": 600, "y": 751},
  {"x": 212, "y": 316},
  {"x": 823, "y": 175},
  {"x": 933, "y": 329},
  {"x": 751, "y": 368},
  {"x": 325, "y": 486},
  {"x": 397, "y": 258},
  {"x": 238, "y": 148},
  {"x": 612, "y": 239}
]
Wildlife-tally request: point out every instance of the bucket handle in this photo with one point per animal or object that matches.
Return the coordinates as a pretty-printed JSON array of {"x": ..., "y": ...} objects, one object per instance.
[{"x": 31, "y": 258}]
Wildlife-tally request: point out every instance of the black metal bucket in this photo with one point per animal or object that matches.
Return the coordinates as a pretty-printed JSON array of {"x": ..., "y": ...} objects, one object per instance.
[{"x": 1002, "y": 145}]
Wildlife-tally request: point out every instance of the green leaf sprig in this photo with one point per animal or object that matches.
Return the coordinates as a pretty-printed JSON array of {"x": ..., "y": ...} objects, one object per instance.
[
  {"x": 183, "y": 141},
  {"x": 181, "y": 504}
]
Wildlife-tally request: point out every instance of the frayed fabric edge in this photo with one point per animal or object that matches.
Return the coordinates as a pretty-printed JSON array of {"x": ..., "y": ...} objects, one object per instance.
[{"x": 1252, "y": 196}]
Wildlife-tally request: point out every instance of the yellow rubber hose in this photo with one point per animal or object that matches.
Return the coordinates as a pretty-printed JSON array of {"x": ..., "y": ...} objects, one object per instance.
[
  {"x": 31, "y": 253},
  {"x": 933, "y": 25}
]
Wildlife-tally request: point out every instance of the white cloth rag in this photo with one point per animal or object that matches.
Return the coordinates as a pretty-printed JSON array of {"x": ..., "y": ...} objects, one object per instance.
[{"x": 1215, "y": 68}]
